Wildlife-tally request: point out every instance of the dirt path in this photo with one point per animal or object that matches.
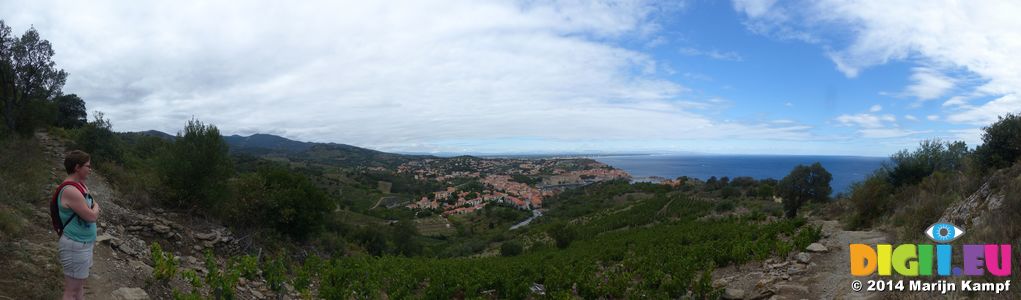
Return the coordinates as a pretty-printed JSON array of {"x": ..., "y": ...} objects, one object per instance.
[
  {"x": 831, "y": 277},
  {"x": 121, "y": 265},
  {"x": 819, "y": 274},
  {"x": 110, "y": 270}
]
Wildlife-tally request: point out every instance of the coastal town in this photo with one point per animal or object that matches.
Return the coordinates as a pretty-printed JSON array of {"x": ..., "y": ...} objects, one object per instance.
[{"x": 473, "y": 183}]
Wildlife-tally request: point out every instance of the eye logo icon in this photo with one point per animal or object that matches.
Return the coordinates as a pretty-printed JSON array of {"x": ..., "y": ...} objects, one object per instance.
[{"x": 944, "y": 232}]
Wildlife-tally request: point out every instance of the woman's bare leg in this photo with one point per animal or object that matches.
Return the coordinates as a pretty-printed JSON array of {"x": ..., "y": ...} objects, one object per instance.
[
  {"x": 81, "y": 289},
  {"x": 73, "y": 288}
]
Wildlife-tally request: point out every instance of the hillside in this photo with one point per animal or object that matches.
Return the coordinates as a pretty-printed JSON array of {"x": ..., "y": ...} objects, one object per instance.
[
  {"x": 618, "y": 239},
  {"x": 611, "y": 239}
]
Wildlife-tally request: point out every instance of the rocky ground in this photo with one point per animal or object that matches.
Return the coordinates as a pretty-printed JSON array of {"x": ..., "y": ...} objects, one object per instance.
[
  {"x": 122, "y": 268},
  {"x": 820, "y": 271}
]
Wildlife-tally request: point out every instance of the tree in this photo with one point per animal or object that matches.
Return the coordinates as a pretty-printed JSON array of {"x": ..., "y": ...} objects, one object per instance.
[
  {"x": 97, "y": 138},
  {"x": 909, "y": 168},
  {"x": 70, "y": 111},
  {"x": 404, "y": 238},
  {"x": 27, "y": 75},
  {"x": 804, "y": 183},
  {"x": 764, "y": 191},
  {"x": 294, "y": 205},
  {"x": 511, "y": 248},
  {"x": 1001, "y": 143},
  {"x": 196, "y": 167},
  {"x": 562, "y": 234}
]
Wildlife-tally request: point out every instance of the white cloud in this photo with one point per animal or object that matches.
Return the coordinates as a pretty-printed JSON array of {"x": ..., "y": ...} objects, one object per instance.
[
  {"x": 981, "y": 40},
  {"x": 875, "y": 108},
  {"x": 987, "y": 113},
  {"x": 713, "y": 54},
  {"x": 928, "y": 84},
  {"x": 876, "y": 126},
  {"x": 885, "y": 133},
  {"x": 932, "y": 117},
  {"x": 863, "y": 120},
  {"x": 404, "y": 75},
  {"x": 754, "y": 8},
  {"x": 956, "y": 101},
  {"x": 910, "y": 118},
  {"x": 971, "y": 136}
]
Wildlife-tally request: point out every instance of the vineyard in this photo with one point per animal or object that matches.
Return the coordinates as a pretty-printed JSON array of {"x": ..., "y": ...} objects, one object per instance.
[{"x": 660, "y": 246}]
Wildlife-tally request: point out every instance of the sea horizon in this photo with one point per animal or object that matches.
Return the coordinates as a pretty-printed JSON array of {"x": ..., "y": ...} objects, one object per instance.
[{"x": 846, "y": 169}]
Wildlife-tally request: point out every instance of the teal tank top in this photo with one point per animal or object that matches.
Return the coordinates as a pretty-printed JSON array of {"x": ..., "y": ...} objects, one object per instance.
[{"x": 79, "y": 229}]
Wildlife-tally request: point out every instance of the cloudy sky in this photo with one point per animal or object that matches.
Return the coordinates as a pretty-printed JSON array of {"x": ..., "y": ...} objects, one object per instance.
[{"x": 792, "y": 77}]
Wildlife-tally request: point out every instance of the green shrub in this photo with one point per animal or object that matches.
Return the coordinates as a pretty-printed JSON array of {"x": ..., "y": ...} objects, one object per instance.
[
  {"x": 511, "y": 248},
  {"x": 908, "y": 168},
  {"x": 221, "y": 282},
  {"x": 196, "y": 167},
  {"x": 869, "y": 199},
  {"x": 99, "y": 141},
  {"x": 404, "y": 238},
  {"x": 70, "y": 111},
  {"x": 279, "y": 199},
  {"x": 804, "y": 183},
  {"x": 164, "y": 263},
  {"x": 275, "y": 273},
  {"x": 765, "y": 191},
  {"x": 562, "y": 234},
  {"x": 1001, "y": 143},
  {"x": 724, "y": 206}
]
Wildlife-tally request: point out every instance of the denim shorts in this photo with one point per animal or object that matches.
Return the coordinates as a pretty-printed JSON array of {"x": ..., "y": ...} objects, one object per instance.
[{"x": 75, "y": 257}]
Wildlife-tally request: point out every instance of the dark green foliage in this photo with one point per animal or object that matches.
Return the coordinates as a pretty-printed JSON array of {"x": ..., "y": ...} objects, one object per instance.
[
  {"x": 196, "y": 167},
  {"x": 562, "y": 234},
  {"x": 373, "y": 240},
  {"x": 729, "y": 191},
  {"x": 30, "y": 80},
  {"x": 765, "y": 191},
  {"x": 97, "y": 139},
  {"x": 909, "y": 168},
  {"x": 1001, "y": 143},
  {"x": 724, "y": 206},
  {"x": 70, "y": 111},
  {"x": 712, "y": 183},
  {"x": 511, "y": 248},
  {"x": 277, "y": 198},
  {"x": 870, "y": 199},
  {"x": 404, "y": 239},
  {"x": 804, "y": 183}
]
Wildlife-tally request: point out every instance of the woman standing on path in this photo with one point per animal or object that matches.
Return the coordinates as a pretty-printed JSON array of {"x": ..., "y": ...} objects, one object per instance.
[{"x": 79, "y": 212}]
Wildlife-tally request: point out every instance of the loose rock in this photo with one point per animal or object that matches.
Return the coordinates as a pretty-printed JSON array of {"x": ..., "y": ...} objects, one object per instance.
[
  {"x": 803, "y": 257},
  {"x": 733, "y": 293},
  {"x": 816, "y": 247},
  {"x": 126, "y": 293}
]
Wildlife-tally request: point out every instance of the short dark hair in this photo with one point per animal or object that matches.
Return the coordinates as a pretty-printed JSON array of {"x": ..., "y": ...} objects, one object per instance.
[{"x": 74, "y": 159}]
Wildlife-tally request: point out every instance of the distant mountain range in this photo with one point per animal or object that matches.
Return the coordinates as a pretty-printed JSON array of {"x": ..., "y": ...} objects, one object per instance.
[{"x": 332, "y": 153}]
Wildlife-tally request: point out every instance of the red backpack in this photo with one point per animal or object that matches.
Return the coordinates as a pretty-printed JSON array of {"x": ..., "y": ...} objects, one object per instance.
[{"x": 58, "y": 224}]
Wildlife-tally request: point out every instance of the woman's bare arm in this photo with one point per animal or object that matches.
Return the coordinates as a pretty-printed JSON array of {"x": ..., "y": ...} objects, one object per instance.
[{"x": 76, "y": 202}]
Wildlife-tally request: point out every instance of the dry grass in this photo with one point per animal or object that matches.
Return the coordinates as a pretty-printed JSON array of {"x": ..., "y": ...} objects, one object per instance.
[
  {"x": 23, "y": 177},
  {"x": 31, "y": 269}
]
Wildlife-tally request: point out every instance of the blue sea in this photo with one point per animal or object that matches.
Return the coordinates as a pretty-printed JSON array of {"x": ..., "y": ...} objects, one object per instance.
[{"x": 845, "y": 169}]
